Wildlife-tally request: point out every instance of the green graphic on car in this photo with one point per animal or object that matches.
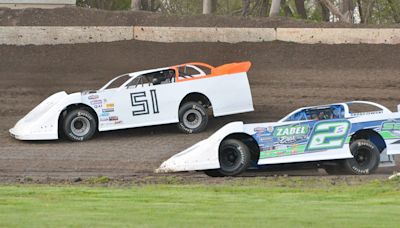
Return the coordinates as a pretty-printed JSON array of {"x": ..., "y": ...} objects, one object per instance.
[{"x": 326, "y": 135}]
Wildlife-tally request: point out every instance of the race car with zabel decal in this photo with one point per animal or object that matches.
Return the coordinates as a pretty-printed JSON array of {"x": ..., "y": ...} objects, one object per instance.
[{"x": 343, "y": 138}]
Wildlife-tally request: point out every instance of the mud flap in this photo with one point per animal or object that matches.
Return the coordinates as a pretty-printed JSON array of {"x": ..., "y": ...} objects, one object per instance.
[{"x": 387, "y": 160}]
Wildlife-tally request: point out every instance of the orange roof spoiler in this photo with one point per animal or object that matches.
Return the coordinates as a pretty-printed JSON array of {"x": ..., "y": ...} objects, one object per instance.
[{"x": 231, "y": 68}]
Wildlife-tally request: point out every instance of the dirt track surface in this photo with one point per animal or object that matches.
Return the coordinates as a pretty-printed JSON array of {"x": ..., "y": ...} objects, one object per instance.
[
  {"x": 283, "y": 77},
  {"x": 75, "y": 16}
]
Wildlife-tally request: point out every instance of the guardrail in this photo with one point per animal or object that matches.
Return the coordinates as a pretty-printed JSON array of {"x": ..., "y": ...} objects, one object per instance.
[{"x": 42, "y": 35}]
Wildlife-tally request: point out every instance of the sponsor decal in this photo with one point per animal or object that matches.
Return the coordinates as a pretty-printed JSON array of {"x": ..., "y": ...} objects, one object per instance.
[
  {"x": 264, "y": 137},
  {"x": 96, "y": 103},
  {"x": 292, "y": 130},
  {"x": 93, "y": 102},
  {"x": 92, "y": 97},
  {"x": 104, "y": 114},
  {"x": 118, "y": 122},
  {"x": 111, "y": 118},
  {"x": 108, "y": 110},
  {"x": 103, "y": 119},
  {"x": 109, "y": 105}
]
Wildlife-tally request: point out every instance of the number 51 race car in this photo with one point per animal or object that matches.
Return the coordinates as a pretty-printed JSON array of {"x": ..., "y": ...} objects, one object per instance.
[
  {"x": 339, "y": 137},
  {"x": 177, "y": 94}
]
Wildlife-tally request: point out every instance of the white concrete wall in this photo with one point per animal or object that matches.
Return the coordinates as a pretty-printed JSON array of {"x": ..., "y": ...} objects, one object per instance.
[
  {"x": 339, "y": 35},
  {"x": 39, "y": 35},
  {"x": 296, "y": 35},
  {"x": 201, "y": 34}
]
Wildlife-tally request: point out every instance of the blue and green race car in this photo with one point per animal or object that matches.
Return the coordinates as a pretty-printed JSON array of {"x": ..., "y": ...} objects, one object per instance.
[{"x": 344, "y": 138}]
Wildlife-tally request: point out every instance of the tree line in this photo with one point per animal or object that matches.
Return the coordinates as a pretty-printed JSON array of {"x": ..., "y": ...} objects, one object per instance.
[{"x": 346, "y": 11}]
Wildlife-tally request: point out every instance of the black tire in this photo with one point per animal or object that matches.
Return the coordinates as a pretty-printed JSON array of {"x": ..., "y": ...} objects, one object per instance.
[
  {"x": 366, "y": 158},
  {"x": 234, "y": 157},
  {"x": 79, "y": 125},
  {"x": 193, "y": 118}
]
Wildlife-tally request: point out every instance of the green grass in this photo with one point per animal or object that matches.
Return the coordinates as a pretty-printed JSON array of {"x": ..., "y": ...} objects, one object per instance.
[{"x": 248, "y": 203}]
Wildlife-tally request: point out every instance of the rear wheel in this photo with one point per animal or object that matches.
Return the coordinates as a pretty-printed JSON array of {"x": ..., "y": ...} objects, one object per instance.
[
  {"x": 79, "y": 125},
  {"x": 193, "y": 118},
  {"x": 234, "y": 159},
  {"x": 366, "y": 158}
]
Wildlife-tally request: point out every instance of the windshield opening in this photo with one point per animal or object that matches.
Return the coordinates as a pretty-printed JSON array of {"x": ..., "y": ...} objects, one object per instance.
[
  {"x": 118, "y": 81},
  {"x": 322, "y": 113}
]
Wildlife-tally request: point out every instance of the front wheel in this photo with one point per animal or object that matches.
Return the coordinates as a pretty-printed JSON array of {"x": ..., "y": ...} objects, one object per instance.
[
  {"x": 234, "y": 159},
  {"x": 366, "y": 158},
  {"x": 79, "y": 125},
  {"x": 193, "y": 118}
]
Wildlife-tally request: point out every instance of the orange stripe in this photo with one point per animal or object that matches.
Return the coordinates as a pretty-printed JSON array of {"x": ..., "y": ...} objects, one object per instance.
[{"x": 230, "y": 68}]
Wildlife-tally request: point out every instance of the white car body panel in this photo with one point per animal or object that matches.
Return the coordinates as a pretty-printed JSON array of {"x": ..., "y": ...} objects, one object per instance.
[
  {"x": 144, "y": 104},
  {"x": 42, "y": 121},
  {"x": 204, "y": 155}
]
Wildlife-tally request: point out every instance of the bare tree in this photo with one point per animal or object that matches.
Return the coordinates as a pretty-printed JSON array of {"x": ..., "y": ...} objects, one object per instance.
[
  {"x": 365, "y": 8},
  {"x": 275, "y": 7},
  {"x": 136, "y": 4},
  {"x": 286, "y": 9},
  {"x": 335, "y": 11},
  {"x": 347, "y": 9},
  {"x": 325, "y": 15},
  {"x": 395, "y": 12},
  {"x": 245, "y": 7},
  {"x": 263, "y": 8},
  {"x": 360, "y": 11},
  {"x": 300, "y": 8}
]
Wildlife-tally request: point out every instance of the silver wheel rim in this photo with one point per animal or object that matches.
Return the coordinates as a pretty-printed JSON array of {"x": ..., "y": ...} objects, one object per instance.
[
  {"x": 192, "y": 118},
  {"x": 80, "y": 126}
]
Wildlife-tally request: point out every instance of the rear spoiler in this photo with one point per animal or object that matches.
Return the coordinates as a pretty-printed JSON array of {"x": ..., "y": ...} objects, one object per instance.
[{"x": 231, "y": 68}]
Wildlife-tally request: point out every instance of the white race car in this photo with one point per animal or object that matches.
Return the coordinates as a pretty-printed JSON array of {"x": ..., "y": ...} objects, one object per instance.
[
  {"x": 344, "y": 138},
  {"x": 177, "y": 94}
]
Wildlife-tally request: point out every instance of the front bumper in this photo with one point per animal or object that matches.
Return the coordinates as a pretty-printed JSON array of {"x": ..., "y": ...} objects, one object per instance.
[{"x": 21, "y": 135}]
